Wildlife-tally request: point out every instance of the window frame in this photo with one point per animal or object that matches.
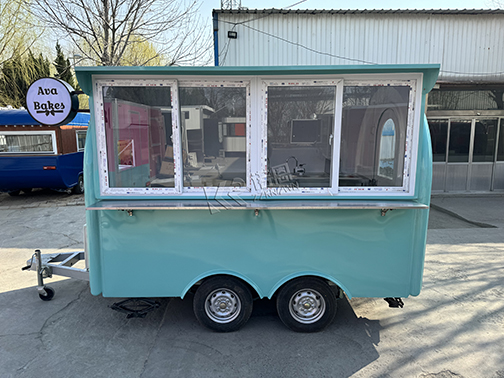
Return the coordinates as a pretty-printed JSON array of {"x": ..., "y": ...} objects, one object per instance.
[
  {"x": 217, "y": 191},
  {"x": 336, "y": 82},
  {"x": 77, "y": 132},
  {"x": 32, "y": 133},
  {"x": 101, "y": 140},
  {"x": 411, "y": 138},
  {"x": 256, "y": 135}
]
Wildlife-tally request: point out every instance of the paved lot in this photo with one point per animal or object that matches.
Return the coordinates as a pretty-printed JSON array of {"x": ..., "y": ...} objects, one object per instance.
[{"x": 455, "y": 328}]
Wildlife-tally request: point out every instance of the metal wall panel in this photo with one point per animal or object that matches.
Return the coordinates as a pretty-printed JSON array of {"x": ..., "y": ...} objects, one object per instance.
[
  {"x": 438, "y": 177},
  {"x": 499, "y": 176},
  {"x": 456, "y": 177},
  {"x": 467, "y": 46},
  {"x": 481, "y": 177}
]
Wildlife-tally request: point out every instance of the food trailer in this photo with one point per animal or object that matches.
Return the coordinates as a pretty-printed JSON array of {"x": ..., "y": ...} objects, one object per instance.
[
  {"x": 299, "y": 184},
  {"x": 35, "y": 155}
]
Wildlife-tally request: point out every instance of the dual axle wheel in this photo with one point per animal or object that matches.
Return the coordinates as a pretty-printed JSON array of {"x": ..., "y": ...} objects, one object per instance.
[{"x": 306, "y": 304}]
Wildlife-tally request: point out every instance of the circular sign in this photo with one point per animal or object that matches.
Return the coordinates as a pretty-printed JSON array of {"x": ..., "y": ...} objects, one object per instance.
[{"x": 51, "y": 101}]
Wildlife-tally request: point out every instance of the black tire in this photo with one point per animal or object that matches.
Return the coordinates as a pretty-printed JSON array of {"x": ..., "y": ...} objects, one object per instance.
[
  {"x": 223, "y": 304},
  {"x": 79, "y": 188},
  {"x": 49, "y": 294},
  {"x": 307, "y": 304},
  {"x": 14, "y": 193}
]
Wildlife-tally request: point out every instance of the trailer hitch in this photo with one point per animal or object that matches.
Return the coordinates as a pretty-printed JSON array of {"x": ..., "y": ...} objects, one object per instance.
[
  {"x": 395, "y": 302},
  {"x": 135, "y": 307}
]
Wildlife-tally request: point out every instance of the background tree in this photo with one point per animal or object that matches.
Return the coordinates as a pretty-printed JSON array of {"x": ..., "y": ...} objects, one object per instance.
[
  {"x": 15, "y": 39},
  {"x": 65, "y": 72},
  {"x": 139, "y": 53},
  {"x": 63, "y": 67},
  {"x": 17, "y": 75},
  {"x": 104, "y": 31}
]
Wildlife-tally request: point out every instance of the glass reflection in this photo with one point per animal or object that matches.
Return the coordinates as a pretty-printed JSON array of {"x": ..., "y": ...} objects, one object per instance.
[
  {"x": 460, "y": 137},
  {"x": 373, "y": 135},
  {"x": 300, "y": 132},
  {"x": 387, "y": 150},
  {"x": 214, "y": 134},
  {"x": 500, "y": 147},
  {"x": 138, "y": 130},
  {"x": 484, "y": 140}
]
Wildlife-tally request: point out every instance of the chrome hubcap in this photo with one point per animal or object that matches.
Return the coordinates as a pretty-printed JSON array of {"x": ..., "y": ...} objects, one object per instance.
[
  {"x": 307, "y": 306},
  {"x": 222, "y": 305}
]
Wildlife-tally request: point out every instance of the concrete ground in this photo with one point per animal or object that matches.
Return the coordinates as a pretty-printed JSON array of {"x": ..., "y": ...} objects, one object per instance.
[{"x": 454, "y": 328}]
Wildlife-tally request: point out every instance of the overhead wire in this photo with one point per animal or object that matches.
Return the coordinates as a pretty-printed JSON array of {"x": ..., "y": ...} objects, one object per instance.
[
  {"x": 243, "y": 23},
  {"x": 298, "y": 44}
]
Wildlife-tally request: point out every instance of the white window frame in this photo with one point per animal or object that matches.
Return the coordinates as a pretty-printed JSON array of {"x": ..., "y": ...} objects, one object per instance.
[
  {"x": 101, "y": 142},
  {"x": 300, "y": 82},
  {"x": 77, "y": 132},
  {"x": 37, "y": 132},
  {"x": 213, "y": 192},
  {"x": 411, "y": 141},
  {"x": 256, "y": 135}
]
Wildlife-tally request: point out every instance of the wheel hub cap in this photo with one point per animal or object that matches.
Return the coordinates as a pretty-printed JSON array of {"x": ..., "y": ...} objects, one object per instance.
[
  {"x": 307, "y": 306},
  {"x": 222, "y": 306}
]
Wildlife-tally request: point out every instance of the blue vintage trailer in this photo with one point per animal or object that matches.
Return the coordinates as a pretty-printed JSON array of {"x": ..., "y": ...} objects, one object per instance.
[
  {"x": 299, "y": 184},
  {"x": 40, "y": 156}
]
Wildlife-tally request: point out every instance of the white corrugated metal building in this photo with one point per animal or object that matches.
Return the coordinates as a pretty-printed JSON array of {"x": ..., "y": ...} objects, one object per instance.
[{"x": 465, "y": 111}]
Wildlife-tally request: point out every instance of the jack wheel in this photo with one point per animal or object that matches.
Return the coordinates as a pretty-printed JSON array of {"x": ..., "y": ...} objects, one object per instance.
[{"x": 48, "y": 295}]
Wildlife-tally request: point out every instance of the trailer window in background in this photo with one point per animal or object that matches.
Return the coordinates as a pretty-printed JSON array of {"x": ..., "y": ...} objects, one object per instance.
[
  {"x": 138, "y": 131},
  {"x": 43, "y": 142},
  {"x": 300, "y": 128},
  {"x": 214, "y": 134},
  {"x": 81, "y": 139},
  {"x": 373, "y": 135}
]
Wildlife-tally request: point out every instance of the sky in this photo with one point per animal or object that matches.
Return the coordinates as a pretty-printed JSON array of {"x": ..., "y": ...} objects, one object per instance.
[{"x": 208, "y": 5}]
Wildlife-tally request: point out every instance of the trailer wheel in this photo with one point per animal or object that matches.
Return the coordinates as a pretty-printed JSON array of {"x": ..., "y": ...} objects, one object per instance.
[
  {"x": 307, "y": 304},
  {"x": 223, "y": 304},
  {"x": 79, "y": 188},
  {"x": 48, "y": 295}
]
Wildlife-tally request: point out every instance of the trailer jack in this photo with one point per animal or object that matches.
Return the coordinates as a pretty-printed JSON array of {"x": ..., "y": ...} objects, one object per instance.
[
  {"x": 60, "y": 264},
  {"x": 395, "y": 302},
  {"x": 135, "y": 307}
]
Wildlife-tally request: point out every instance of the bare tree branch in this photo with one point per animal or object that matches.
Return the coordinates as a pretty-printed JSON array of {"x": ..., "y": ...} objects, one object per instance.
[{"x": 105, "y": 30}]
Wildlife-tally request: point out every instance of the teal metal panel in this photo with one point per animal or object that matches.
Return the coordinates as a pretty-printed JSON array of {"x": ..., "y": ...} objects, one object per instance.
[
  {"x": 161, "y": 253},
  {"x": 430, "y": 71}
]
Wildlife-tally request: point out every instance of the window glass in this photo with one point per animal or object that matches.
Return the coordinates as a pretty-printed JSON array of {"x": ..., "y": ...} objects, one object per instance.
[
  {"x": 500, "y": 148},
  {"x": 387, "y": 150},
  {"x": 138, "y": 131},
  {"x": 460, "y": 136},
  {"x": 213, "y": 136},
  {"x": 455, "y": 99},
  {"x": 300, "y": 133},
  {"x": 484, "y": 140},
  {"x": 373, "y": 135},
  {"x": 439, "y": 133},
  {"x": 81, "y": 140},
  {"x": 26, "y": 143}
]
